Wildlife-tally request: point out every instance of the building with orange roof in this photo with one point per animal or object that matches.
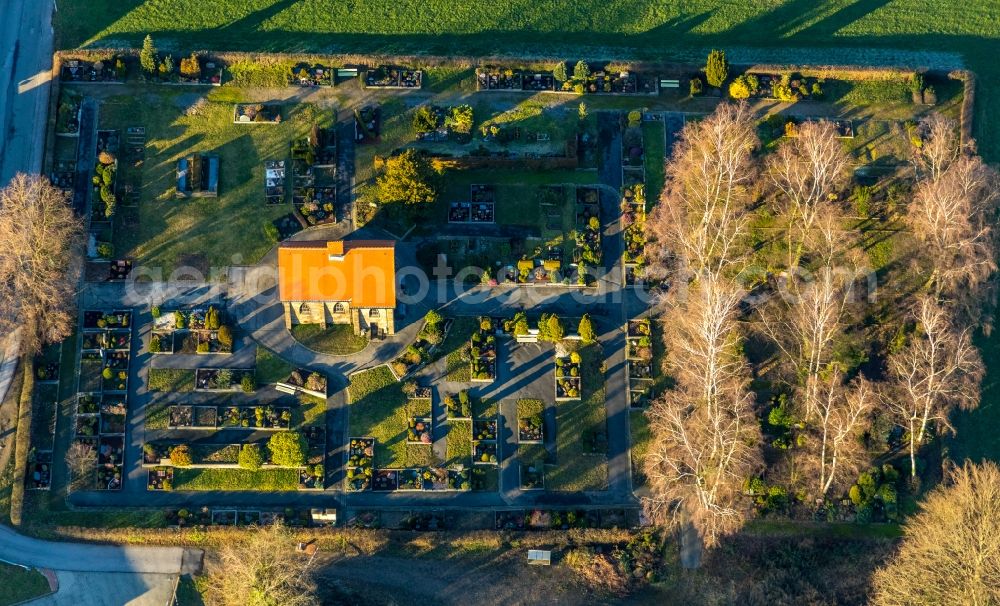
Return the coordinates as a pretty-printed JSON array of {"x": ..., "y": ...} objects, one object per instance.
[{"x": 339, "y": 282}]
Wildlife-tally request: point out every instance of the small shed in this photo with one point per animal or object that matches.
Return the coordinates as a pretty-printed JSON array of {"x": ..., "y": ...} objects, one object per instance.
[
  {"x": 324, "y": 516},
  {"x": 539, "y": 557}
]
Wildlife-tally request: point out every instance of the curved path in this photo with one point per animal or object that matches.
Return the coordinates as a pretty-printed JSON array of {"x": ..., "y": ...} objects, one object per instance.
[{"x": 79, "y": 557}]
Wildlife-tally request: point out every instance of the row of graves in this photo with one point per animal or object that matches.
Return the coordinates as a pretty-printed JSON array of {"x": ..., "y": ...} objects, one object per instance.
[
  {"x": 162, "y": 457},
  {"x": 393, "y": 77},
  {"x": 202, "y": 330},
  {"x": 314, "y": 176},
  {"x": 241, "y": 516},
  {"x": 605, "y": 81},
  {"x": 639, "y": 368},
  {"x": 479, "y": 210},
  {"x": 198, "y": 176},
  {"x": 362, "y": 474},
  {"x": 102, "y": 392},
  {"x": 633, "y": 202},
  {"x": 196, "y": 69},
  {"x": 43, "y": 419},
  {"x": 116, "y": 182}
]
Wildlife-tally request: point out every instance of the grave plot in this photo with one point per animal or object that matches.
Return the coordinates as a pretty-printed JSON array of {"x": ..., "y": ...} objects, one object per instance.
[
  {"x": 443, "y": 126},
  {"x": 266, "y": 417},
  {"x": 588, "y": 227},
  {"x": 111, "y": 69},
  {"x": 197, "y": 330},
  {"x": 538, "y": 81},
  {"x": 569, "y": 383},
  {"x": 385, "y": 480},
  {"x": 198, "y": 176},
  {"x": 639, "y": 362},
  {"x": 40, "y": 470},
  {"x": 225, "y": 379},
  {"x": 419, "y": 352},
  {"x": 632, "y": 141},
  {"x": 633, "y": 220},
  {"x": 387, "y": 76},
  {"x": 305, "y": 381},
  {"x": 789, "y": 88},
  {"x": 197, "y": 69},
  {"x": 102, "y": 407},
  {"x": 498, "y": 79},
  {"x": 68, "y": 113},
  {"x": 483, "y": 352},
  {"x": 313, "y": 475},
  {"x": 360, "y": 464},
  {"x": 256, "y": 113},
  {"x": 617, "y": 82},
  {"x": 105, "y": 200},
  {"x": 530, "y": 422},
  {"x": 160, "y": 478},
  {"x": 367, "y": 124},
  {"x": 532, "y": 475},
  {"x": 316, "y": 74},
  {"x": 274, "y": 181},
  {"x": 316, "y": 203}
]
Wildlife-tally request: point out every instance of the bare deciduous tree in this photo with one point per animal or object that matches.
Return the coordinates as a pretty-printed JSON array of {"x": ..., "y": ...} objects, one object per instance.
[
  {"x": 938, "y": 370},
  {"x": 939, "y": 146},
  {"x": 40, "y": 259},
  {"x": 805, "y": 324},
  {"x": 810, "y": 170},
  {"x": 950, "y": 553},
  {"x": 81, "y": 462},
  {"x": 262, "y": 568},
  {"x": 952, "y": 217},
  {"x": 836, "y": 453},
  {"x": 702, "y": 218},
  {"x": 706, "y": 439}
]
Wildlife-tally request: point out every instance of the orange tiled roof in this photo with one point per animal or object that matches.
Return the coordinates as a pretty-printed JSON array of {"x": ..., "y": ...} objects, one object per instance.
[{"x": 361, "y": 272}]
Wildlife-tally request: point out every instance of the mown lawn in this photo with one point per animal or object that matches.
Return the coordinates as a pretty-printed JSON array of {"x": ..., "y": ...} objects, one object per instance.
[
  {"x": 378, "y": 409},
  {"x": 271, "y": 368},
  {"x": 18, "y": 584},
  {"x": 336, "y": 339},
  {"x": 266, "y": 480},
  {"x": 167, "y": 233},
  {"x": 639, "y": 427},
  {"x": 576, "y": 466},
  {"x": 459, "y": 442},
  {"x": 655, "y": 148}
]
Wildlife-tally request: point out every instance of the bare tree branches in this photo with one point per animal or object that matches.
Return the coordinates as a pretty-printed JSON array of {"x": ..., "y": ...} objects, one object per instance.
[
  {"x": 260, "y": 569},
  {"x": 836, "y": 451},
  {"x": 809, "y": 170},
  {"x": 951, "y": 550},
  {"x": 702, "y": 218},
  {"x": 705, "y": 435},
  {"x": 81, "y": 462},
  {"x": 940, "y": 145},
  {"x": 39, "y": 261},
  {"x": 938, "y": 370},
  {"x": 952, "y": 216}
]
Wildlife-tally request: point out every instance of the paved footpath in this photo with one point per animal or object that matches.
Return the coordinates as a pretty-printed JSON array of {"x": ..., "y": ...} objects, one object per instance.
[{"x": 80, "y": 557}]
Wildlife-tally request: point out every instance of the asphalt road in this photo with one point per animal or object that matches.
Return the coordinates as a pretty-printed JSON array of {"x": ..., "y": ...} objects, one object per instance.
[{"x": 25, "y": 72}]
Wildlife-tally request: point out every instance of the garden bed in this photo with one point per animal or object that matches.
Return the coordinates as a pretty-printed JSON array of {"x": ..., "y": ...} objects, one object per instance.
[
  {"x": 569, "y": 383},
  {"x": 305, "y": 381},
  {"x": 160, "y": 478},
  {"x": 224, "y": 379},
  {"x": 530, "y": 421},
  {"x": 387, "y": 76},
  {"x": 483, "y": 352}
]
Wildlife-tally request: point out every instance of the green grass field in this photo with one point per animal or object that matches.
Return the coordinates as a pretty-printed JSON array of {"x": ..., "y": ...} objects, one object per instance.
[
  {"x": 269, "y": 480},
  {"x": 378, "y": 408},
  {"x": 338, "y": 339},
  {"x": 18, "y": 584},
  {"x": 203, "y": 233}
]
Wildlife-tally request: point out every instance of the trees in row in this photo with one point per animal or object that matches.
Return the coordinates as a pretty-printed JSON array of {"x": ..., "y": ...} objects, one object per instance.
[
  {"x": 806, "y": 301},
  {"x": 40, "y": 262}
]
